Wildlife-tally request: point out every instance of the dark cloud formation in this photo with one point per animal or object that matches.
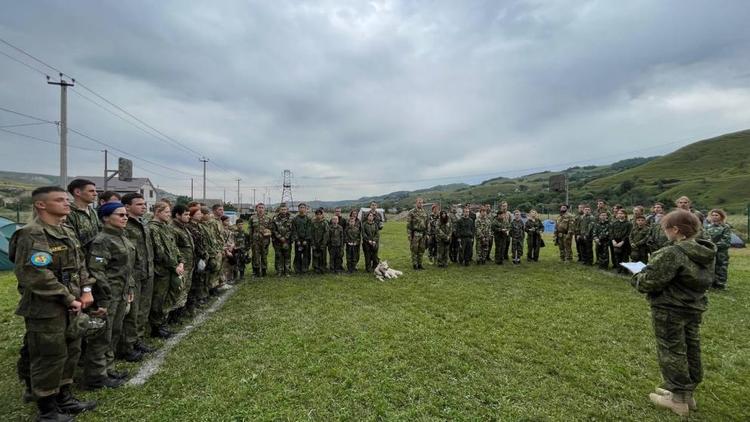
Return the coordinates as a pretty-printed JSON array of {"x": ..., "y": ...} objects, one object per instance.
[{"x": 360, "y": 98}]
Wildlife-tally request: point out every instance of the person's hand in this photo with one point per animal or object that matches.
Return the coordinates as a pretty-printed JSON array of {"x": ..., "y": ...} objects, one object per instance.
[
  {"x": 75, "y": 307},
  {"x": 180, "y": 269},
  {"x": 86, "y": 299},
  {"x": 99, "y": 313},
  {"x": 131, "y": 296}
]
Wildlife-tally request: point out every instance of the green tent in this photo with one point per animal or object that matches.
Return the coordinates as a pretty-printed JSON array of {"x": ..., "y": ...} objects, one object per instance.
[{"x": 7, "y": 228}]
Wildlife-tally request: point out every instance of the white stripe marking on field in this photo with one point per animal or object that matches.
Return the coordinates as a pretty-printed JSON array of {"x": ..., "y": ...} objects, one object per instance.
[{"x": 152, "y": 365}]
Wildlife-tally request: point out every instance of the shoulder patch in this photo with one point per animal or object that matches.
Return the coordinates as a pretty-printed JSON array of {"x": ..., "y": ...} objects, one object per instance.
[{"x": 41, "y": 259}]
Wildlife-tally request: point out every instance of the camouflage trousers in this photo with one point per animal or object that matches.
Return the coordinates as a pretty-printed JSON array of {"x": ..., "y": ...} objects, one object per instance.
[
  {"x": 144, "y": 305},
  {"x": 587, "y": 250},
  {"x": 453, "y": 250},
  {"x": 371, "y": 256},
  {"x": 417, "y": 246},
  {"x": 131, "y": 331},
  {"x": 319, "y": 259},
  {"x": 500, "y": 247},
  {"x": 639, "y": 253},
  {"x": 352, "y": 256},
  {"x": 187, "y": 283},
  {"x": 282, "y": 255},
  {"x": 565, "y": 243},
  {"x": 213, "y": 269},
  {"x": 260, "y": 253},
  {"x": 47, "y": 358},
  {"x": 167, "y": 288},
  {"x": 533, "y": 246},
  {"x": 432, "y": 245},
  {"x": 678, "y": 349},
  {"x": 516, "y": 245},
  {"x": 301, "y": 258},
  {"x": 722, "y": 267},
  {"x": 443, "y": 249},
  {"x": 100, "y": 350},
  {"x": 336, "y": 255},
  {"x": 482, "y": 245},
  {"x": 602, "y": 254}
]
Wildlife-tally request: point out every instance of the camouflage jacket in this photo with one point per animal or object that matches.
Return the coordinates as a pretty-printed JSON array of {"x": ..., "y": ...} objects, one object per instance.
[
  {"x": 500, "y": 224},
  {"x": 720, "y": 234},
  {"x": 416, "y": 222},
  {"x": 576, "y": 227},
  {"x": 50, "y": 268},
  {"x": 137, "y": 232},
  {"x": 211, "y": 238},
  {"x": 166, "y": 254},
  {"x": 185, "y": 244},
  {"x": 534, "y": 226},
  {"x": 620, "y": 230},
  {"x": 110, "y": 261},
  {"x": 335, "y": 235},
  {"x": 657, "y": 239},
  {"x": 370, "y": 232},
  {"x": 242, "y": 239},
  {"x": 639, "y": 236},
  {"x": 517, "y": 231},
  {"x": 483, "y": 226},
  {"x": 600, "y": 232},
  {"x": 260, "y": 228},
  {"x": 444, "y": 231},
  {"x": 319, "y": 233},
  {"x": 564, "y": 224},
  {"x": 678, "y": 276},
  {"x": 432, "y": 222},
  {"x": 282, "y": 229},
  {"x": 586, "y": 226},
  {"x": 343, "y": 221},
  {"x": 353, "y": 232},
  {"x": 85, "y": 223},
  {"x": 301, "y": 228},
  {"x": 200, "y": 249},
  {"x": 464, "y": 227}
]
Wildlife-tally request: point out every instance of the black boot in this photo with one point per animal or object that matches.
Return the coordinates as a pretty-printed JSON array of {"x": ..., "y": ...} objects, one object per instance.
[
  {"x": 68, "y": 404},
  {"x": 28, "y": 396},
  {"x": 256, "y": 272},
  {"x": 263, "y": 272},
  {"x": 49, "y": 412},
  {"x": 106, "y": 382},
  {"x": 143, "y": 347}
]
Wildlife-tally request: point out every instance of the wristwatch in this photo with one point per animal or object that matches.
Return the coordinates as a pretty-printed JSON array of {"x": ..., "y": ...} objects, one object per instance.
[{"x": 87, "y": 289}]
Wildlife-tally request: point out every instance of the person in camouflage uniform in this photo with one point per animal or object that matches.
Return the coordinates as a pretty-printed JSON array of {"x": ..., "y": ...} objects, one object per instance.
[
  {"x": 584, "y": 232},
  {"x": 639, "y": 240},
  {"x": 564, "y": 234},
  {"x": 82, "y": 218},
  {"x": 657, "y": 238},
  {"x": 342, "y": 220},
  {"x": 336, "y": 245},
  {"x": 534, "y": 228},
  {"x": 55, "y": 286},
  {"x": 379, "y": 219},
  {"x": 370, "y": 242},
  {"x": 416, "y": 228},
  {"x": 432, "y": 223},
  {"x": 353, "y": 238},
  {"x": 319, "y": 242},
  {"x": 301, "y": 237},
  {"x": 501, "y": 230},
  {"x": 282, "y": 241},
  {"x": 488, "y": 208},
  {"x": 675, "y": 282},
  {"x": 261, "y": 229},
  {"x": 575, "y": 228},
  {"x": 600, "y": 235},
  {"x": 619, "y": 231},
  {"x": 184, "y": 240},
  {"x": 241, "y": 242},
  {"x": 453, "y": 250},
  {"x": 601, "y": 206},
  {"x": 110, "y": 261},
  {"x": 213, "y": 249},
  {"x": 483, "y": 224},
  {"x": 443, "y": 236},
  {"x": 464, "y": 231},
  {"x": 168, "y": 270},
  {"x": 229, "y": 260},
  {"x": 720, "y": 233},
  {"x": 215, "y": 266},
  {"x": 516, "y": 235},
  {"x": 198, "y": 293},
  {"x": 135, "y": 323},
  {"x": 508, "y": 218}
]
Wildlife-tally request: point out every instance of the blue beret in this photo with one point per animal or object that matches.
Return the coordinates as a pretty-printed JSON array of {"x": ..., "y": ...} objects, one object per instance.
[{"x": 107, "y": 209}]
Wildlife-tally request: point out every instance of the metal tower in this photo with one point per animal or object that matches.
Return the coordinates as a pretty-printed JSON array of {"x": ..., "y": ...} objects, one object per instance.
[{"x": 286, "y": 189}]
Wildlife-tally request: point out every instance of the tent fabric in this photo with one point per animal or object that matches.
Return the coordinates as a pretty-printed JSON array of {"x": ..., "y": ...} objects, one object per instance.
[
  {"x": 737, "y": 241},
  {"x": 549, "y": 226},
  {"x": 7, "y": 228}
]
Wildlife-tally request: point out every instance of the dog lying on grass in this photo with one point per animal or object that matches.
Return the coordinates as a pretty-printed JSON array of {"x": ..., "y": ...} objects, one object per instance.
[{"x": 383, "y": 271}]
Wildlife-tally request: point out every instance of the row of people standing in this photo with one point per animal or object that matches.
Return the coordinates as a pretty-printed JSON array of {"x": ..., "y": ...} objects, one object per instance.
[{"x": 605, "y": 236}]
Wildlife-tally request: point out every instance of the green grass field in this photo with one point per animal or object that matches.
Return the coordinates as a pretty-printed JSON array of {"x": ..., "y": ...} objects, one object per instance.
[{"x": 542, "y": 341}]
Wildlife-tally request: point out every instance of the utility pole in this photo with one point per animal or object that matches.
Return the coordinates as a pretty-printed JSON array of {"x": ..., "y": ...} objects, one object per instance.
[
  {"x": 63, "y": 127},
  {"x": 106, "y": 173},
  {"x": 239, "y": 204},
  {"x": 225, "y": 196},
  {"x": 204, "y": 160},
  {"x": 191, "y": 188},
  {"x": 254, "y": 197}
]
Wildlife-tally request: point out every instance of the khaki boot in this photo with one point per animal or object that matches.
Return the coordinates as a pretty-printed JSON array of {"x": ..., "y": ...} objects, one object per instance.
[
  {"x": 692, "y": 404},
  {"x": 669, "y": 402}
]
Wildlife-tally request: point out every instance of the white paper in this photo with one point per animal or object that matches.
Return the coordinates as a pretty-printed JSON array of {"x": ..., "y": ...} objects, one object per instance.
[{"x": 634, "y": 267}]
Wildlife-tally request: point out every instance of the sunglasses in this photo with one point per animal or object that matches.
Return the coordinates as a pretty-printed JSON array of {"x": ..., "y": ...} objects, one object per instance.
[{"x": 120, "y": 214}]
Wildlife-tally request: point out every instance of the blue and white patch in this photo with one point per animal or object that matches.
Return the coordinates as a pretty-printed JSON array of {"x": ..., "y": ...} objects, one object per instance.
[
  {"x": 41, "y": 259},
  {"x": 98, "y": 259}
]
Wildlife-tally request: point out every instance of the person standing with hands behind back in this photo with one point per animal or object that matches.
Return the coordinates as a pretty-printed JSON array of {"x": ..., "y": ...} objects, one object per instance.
[{"x": 675, "y": 281}]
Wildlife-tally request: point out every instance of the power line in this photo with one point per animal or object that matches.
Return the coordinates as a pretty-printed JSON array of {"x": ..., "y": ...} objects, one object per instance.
[
  {"x": 46, "y": 140},
  {"x": 35, "y": 69},
  {"x": 24, "y": 125},
  {"x": 28, "y": 116}
]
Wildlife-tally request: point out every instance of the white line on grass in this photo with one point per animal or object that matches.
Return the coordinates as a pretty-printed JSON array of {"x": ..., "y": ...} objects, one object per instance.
[{"x": 152, "y": 366}]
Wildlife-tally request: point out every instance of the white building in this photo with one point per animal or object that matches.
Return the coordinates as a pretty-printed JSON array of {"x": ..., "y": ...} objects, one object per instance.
[{"x": 140, "y": 185}]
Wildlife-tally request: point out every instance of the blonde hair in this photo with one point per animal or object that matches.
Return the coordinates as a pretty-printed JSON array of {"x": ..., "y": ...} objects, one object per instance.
[
  {"x": 160, "y": 206},
  {"x": 721, "y": 213}
]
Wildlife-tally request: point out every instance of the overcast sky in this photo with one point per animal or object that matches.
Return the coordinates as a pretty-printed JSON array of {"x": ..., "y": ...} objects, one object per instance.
[{"x": 367, "y": 97}]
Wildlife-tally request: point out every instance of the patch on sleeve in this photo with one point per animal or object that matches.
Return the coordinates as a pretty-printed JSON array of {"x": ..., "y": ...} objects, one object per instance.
[
  {"x": 41, "y": 259},
  {"x": 98, "y": 259}
]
